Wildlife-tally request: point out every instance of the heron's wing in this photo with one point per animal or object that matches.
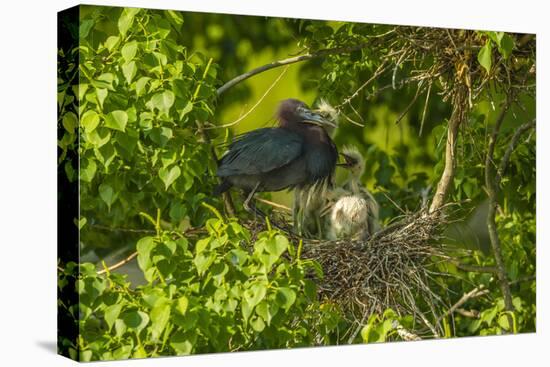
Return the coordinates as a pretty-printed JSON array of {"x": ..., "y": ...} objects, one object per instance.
[{"x": 260, "y": 151}]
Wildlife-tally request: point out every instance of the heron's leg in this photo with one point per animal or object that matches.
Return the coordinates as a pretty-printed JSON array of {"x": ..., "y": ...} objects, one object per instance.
[
  {"x": 246, "y": 204},
  {"x": 319, "y": 226},
  {"x": 250, "y": 207}
]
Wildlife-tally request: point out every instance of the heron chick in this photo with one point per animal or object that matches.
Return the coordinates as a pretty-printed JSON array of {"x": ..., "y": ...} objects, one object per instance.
[{"x": 354, "y": 212}]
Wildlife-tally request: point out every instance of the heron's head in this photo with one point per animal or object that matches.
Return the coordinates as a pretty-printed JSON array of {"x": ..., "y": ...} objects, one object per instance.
[
  {"x": 292, "y": 111},
  {"x": 354, "y": 161},
  {"x": 326, "y": 110}
]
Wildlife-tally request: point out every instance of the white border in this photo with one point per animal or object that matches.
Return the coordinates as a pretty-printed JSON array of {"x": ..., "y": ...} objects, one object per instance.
[{"x": 28, "y": 182}]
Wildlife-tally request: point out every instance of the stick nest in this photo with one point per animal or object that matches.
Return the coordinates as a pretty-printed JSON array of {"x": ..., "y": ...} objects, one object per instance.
[{"x": 390, "y": 269}]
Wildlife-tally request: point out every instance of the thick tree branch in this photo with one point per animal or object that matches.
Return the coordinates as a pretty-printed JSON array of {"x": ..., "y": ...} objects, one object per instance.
[
  {"x": 290, "y": 60},
  {"x": 460, "y": 104},
  {"x": 492, "y": 191}
]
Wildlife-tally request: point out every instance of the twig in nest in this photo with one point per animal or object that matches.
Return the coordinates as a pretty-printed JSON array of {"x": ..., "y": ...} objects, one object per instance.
[
  {"x": 375, "y": 75},
  {"x": 425, "y": 108},
  {"x": 401, "y": 58},
  {"x": 407, "y": 109},
  {"x": 352, "y": 121},
  {"x": 275, "y": 205}
]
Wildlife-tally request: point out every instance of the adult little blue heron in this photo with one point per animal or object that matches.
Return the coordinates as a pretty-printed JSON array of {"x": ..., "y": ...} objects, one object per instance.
[
  {"x": 297, "y": 153},
  {"x": 310, "y": 200}
]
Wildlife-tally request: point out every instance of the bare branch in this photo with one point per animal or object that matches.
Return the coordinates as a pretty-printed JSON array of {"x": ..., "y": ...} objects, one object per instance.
[
  {"x": 288, "y": 61},
  {"x": 474, "y": 293},
  {"x": 118, "y": 264},
  {"x": 474, "y": 314},
  {"x": 255, "y": 105},
  {"x": 476, "y": 269},
  {"x": 511, "y": 146},
  {"x": 492, "y": 191}
]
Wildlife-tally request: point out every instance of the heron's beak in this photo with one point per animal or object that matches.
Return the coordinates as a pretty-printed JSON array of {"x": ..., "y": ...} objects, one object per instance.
[
  {"x": 349, "y": 161},
  {"x": 317, "y": 119}
]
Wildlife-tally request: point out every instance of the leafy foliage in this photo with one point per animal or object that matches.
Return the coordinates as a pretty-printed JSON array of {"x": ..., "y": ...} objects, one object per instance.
[{"x": 223, "y": 292}]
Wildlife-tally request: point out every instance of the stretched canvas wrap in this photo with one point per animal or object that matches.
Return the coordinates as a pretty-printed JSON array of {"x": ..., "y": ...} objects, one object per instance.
[{"x": 232, "y": 183}]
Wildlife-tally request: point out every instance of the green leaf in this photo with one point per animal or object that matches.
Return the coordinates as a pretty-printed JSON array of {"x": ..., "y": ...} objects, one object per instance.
[
  {"x": 163, "y": 101},
  {"x": 182, "y": 243},
  {"x": 504, "y": 321},
  {"x": 122, "y": 352},
  {"x": 277, "y": 245},
  {"x": 257, "y": 324},
  {"x": 175, "y": 16},
  {"x": 70, "y": 122},
  {"x": 98, "y": 137},
  {"x": 266, "y": 311},
  {"x": 111, "y": 314},
  {"x": 160, "y": 314},
  {"x": 105, "y": 80},
  {"x": 506, "y": 45},
  {"x": 129, "y": 70},
  {"x": 86, "y": 356},
  {"x": 139, "y": 352},
  {"x": 168, "y": 176},
  {"x": 82, "y": 222},
  {"x": 484, "y": 57},
  {"x": 111, "y": 42},
  {"x": 186, "y": 109},
  {"x": 141, "y": 84},
  {"x": 85, "y": 28},
  {"x": 90, "y": 120},
  {"x": 107, "y": 194},
  {"x": 120, "y": 327},
  {"x": 202, "y": 244},
  {"x": 129, "y": 51},
  {"x": 126, "y": 19},
  {"x": 366, "y": 333},
  {"x": 181, "y": 343},
  {"x": 116, "y": 120},
  {"x": 101, "y": 94},
  {"x": 88, "y": 170},
  {"x": 144, "y": 247},
  {"x": 203, "y": 261},
  {"x": 285, "y": 297},
  {"x": 255, "y": 294},
  {"x": 161, "y": 135},
  {"x": 136, "y": 320},
  {"x": 182, "y": 304},
  {"x": 82, "y": 88}
]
